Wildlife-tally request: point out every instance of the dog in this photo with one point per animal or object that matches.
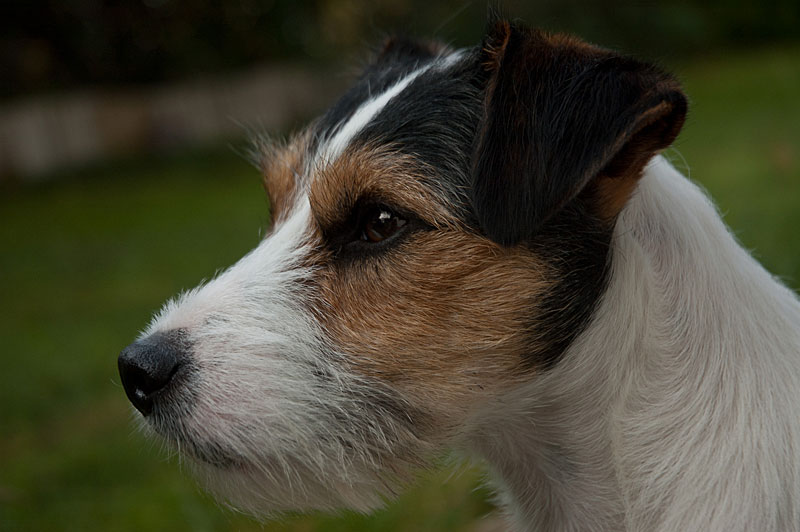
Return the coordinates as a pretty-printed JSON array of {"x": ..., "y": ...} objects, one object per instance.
[{"x": 484, "y": 250}]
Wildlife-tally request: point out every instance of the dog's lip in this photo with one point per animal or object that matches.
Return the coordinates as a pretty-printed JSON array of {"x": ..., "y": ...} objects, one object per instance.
[
  {"x": 219, "y": 461},
  {"x": 205, "y": 452}
]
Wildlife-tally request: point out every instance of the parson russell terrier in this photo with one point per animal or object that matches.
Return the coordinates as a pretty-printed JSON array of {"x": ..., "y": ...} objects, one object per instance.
[{"x": 482, "y": 250}]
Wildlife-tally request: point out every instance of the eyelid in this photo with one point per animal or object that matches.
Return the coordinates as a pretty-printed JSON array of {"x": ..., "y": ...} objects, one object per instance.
[
  {"x": 374, "y": 235},
  {"x": 345, "y": 237}
]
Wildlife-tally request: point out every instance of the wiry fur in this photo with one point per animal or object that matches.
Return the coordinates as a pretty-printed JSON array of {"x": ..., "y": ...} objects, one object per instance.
[
  {"x": 613, "y": 354},
  {"x": 275, "y": 406},
  {"x": 674, "y": 410}
]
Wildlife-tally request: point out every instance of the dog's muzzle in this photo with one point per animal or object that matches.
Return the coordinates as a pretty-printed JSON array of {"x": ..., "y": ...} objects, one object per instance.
[{"x": 148, "y": 367}]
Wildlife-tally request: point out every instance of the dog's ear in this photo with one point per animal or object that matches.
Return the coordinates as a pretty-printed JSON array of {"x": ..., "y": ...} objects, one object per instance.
[{"x": 562, "y": 118}]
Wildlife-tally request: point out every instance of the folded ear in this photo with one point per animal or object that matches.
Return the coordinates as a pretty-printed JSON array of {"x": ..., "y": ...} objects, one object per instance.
[{"x": 561, "y": 117}]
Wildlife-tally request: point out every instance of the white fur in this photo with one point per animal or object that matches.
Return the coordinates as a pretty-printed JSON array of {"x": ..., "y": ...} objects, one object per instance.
[
  {"x": 676, "y": 409},
  {"x": 363, "y": 116},
  {"x": 672, "y": 411},
  {"x": 255, "y": 395},
  {"x": 269, "y": 399},
  {"x": 267, "y": 394},
  {"x": 331, "y": 151}
]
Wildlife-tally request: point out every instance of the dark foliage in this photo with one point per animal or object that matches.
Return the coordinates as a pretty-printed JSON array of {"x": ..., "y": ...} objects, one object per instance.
[{"x": 48, "y": 45}]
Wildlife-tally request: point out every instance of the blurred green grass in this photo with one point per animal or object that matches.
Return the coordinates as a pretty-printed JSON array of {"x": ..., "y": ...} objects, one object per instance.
[{"x": 87, "y": 258}]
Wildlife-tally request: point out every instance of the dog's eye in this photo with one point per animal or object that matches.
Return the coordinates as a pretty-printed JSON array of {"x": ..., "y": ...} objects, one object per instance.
[{"x": 379, "y": 224}]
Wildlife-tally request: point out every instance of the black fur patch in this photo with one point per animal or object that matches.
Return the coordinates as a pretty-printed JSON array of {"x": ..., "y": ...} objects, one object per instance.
[
  {"x": 577, "y": 246},
  {"x": 557, "y": 113},
  {"x": 399, "y": 58},
  {"x": 516, "y": 133},
  {"x": 434, "y": 120}
]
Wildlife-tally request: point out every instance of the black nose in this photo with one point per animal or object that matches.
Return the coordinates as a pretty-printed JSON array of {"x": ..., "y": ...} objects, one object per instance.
[{"x": 148, "y": 365}]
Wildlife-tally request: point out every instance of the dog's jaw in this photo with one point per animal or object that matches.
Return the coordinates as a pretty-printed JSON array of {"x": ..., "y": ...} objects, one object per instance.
[{"x": 267, "y": 401}]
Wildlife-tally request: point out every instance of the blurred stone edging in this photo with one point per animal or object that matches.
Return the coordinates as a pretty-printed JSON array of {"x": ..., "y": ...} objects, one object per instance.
[{"x": 44, "y": 133}]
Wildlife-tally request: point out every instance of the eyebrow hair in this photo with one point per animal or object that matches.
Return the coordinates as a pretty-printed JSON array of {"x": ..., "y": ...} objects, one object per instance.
[
  {"x": 333, "y": 148},
  {"x": 382, "y": 175}
]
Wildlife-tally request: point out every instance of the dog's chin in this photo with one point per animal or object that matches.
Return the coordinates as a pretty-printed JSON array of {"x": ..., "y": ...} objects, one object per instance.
[
  {"x": 267, "y": 491},
  {"x": 211, "y": 455},
  {"x": 267, "y": 483}
]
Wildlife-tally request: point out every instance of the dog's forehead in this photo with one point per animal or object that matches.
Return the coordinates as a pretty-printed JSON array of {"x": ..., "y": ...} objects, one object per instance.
[
  {"x": 424, "y": 107},
  {"x": 405, "y": 130},
  {"x": 376, "y": 79}
]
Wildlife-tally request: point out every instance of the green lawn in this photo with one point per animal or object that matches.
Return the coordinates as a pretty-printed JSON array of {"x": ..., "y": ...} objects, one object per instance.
[{"x": 85, "y": 259}]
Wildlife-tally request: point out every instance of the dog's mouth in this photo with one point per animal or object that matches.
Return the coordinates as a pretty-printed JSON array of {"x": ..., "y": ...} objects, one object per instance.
[
  {"x": 213, "y": 455},
  {"x": 179, "y": 435}
]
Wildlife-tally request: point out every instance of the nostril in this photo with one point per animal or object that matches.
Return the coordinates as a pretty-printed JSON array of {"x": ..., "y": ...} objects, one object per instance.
[
  {"x": 147, "y": 366},
  {"x": 142, "y": 383}
]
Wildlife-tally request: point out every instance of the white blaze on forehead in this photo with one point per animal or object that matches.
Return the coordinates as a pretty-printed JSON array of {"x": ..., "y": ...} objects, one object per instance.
[
  {"x": 363, "y": 115},
  {"x": 451, "y": 59},
  {"x": 368, "y": 110}
]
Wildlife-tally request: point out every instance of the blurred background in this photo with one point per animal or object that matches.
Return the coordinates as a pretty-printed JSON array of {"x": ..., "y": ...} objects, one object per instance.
[{"x": 122, "y": 125}]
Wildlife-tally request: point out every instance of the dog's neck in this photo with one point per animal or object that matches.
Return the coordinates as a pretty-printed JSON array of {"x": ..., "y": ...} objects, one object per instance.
[{"x": 671, "y": 370}]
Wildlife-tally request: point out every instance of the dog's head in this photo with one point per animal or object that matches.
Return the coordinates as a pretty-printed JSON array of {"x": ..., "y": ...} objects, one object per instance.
[{"x": 441, "y": 235}]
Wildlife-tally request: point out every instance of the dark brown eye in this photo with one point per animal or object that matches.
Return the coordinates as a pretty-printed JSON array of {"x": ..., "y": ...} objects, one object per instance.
[{"x": 379, "y": 224}]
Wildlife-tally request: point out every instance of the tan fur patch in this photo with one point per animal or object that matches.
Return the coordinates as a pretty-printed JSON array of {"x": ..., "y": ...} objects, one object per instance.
[
  {"x": 494, "y": 49},
  {"x": 444, "y": 316},
  {"x": 383, "y": 176},
  {"x": 612, "y": 193},
  {"x": 282, "y": 166},
  {"x": 615, "y": 185}
]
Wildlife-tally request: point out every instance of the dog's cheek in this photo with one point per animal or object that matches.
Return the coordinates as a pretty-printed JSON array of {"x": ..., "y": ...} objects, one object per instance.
[{"x": 444, "y": 320}]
